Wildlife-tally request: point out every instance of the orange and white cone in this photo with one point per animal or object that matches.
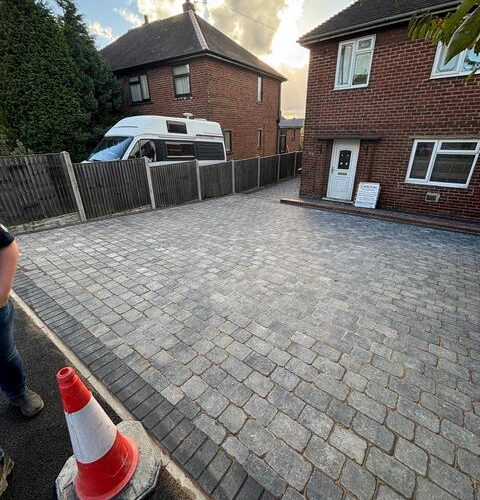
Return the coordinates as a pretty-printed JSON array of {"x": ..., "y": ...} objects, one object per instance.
[{"x": 106, "y": 459}]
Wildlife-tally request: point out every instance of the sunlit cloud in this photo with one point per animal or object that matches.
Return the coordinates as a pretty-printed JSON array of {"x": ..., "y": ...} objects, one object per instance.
[
  {"x": 129, "y": 16},
  {"x": 100, "y": 31}
]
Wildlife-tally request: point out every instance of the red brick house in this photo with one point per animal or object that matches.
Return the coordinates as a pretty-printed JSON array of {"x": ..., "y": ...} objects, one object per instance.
[
  {"x": 290, "y": 134},
  {"x": 383, "y": 108},
  {"x": 184, "y": 65}
]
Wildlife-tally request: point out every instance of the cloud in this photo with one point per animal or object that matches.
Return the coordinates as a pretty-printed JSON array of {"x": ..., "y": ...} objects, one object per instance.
[
  {"x": 251, "y": 23},
  {"x": 129, "y": 16},
  {"x": 294, "y": 91},
  {"x": 155, "y": 9},
  {"x": 100, "y": 31}
]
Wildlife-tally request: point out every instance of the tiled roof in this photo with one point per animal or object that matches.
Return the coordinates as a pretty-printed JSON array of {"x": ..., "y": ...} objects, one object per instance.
[
  {"x": 176, "y": 37},
  {"x": 364, "y": 14},
  {"x": 291, "y": 123}
]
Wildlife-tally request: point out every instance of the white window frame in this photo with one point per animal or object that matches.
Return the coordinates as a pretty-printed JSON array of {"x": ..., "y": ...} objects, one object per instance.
[
  {"x": 438, "y": 150},
  {"x": 458, "y": 71},
  {"x": 228, "y": 133},
  {"x": 142, "y": 81},
  {"x": 259, "y": 138},
  {"x": 259, "y": 89},
  {"x": 355, "y": 52}
]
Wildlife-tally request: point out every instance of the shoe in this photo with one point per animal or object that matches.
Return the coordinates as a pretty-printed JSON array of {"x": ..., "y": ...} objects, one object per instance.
[
  {"x": 30, "y": 403},
  {"x": 6, "y": 466}
]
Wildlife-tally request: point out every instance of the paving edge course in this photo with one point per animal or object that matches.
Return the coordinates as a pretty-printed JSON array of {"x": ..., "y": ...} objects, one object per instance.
[{"x": 188, "y": 456}]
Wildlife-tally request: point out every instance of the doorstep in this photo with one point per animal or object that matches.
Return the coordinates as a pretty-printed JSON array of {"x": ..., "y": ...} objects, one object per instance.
[{"x": 389, "y": 215}]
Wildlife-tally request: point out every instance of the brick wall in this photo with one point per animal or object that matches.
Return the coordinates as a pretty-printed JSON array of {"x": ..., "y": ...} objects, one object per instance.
[
  {"x": 400, "y": 103},
  {"x": 294, "y": 137},
  {"x": 220, "y": 92}
]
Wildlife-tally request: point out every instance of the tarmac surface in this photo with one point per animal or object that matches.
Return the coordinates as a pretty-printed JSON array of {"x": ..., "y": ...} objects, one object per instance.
[{"x": 40, "y": 446}]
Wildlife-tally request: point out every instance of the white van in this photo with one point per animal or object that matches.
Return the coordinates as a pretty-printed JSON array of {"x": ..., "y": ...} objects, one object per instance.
[{"x": 162, "y": 140}]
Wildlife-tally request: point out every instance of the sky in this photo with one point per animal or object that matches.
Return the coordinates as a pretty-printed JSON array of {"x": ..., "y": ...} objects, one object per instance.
[{"x": 268, "y": 28}]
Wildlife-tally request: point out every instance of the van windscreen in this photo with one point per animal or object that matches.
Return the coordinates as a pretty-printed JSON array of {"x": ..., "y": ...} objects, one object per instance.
[{"x": 110, "y": 148}]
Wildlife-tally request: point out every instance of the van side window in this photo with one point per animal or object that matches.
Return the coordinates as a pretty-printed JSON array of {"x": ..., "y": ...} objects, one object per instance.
[
  {"x": 210, "y": 151},
  {"x": 177, "y": 127},
  {"x": 146, "y": 148},
  {"x": 179, "y": 150}
]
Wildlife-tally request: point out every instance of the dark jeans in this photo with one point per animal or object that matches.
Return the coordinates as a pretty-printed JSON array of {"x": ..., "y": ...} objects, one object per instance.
[{"x": 12, "y": 376}]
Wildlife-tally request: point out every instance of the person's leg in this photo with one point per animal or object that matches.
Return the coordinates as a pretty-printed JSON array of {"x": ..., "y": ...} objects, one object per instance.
[{"x": 12, "y": 375}]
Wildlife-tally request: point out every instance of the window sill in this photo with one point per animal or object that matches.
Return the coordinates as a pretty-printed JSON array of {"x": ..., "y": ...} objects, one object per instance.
[
  {"x": 451, "y": 75},
  {"x": 182, "y": 97},
  {"x": 141, "y": 103},
  {"x": 436, "y": 184},
  {"x": 351, "y": 87}
]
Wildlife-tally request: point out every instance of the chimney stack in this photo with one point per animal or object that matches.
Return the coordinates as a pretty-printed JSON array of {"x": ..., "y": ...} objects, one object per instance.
[
  {"x": 145, "y": 17},
  {"x": 188, "y": 6}
]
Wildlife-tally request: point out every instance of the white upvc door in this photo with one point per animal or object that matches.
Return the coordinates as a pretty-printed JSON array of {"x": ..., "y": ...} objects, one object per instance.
[{"x": 342, "y": 169}]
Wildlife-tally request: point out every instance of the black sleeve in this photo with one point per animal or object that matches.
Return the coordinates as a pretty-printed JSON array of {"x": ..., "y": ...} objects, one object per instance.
[{"x": 5, "y": 237}]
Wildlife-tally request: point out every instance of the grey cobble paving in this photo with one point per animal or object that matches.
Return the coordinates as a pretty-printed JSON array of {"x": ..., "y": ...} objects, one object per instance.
[{"x": 207, "y": 316}]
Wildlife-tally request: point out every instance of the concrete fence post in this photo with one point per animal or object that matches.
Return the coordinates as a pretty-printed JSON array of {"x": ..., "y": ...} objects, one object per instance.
[
  {"x": 199, "y": 182},
  {"x": 233, "y": 176},
  {"x": 278, "y": 168},
  {"x": 73, "y": 181},
  {"x": 258, "y": 171},
  {"x": 150, "y": 183}
]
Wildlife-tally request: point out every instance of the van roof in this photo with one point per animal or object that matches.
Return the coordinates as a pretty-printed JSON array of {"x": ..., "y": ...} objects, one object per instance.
[{"x": 153, "y": 124}]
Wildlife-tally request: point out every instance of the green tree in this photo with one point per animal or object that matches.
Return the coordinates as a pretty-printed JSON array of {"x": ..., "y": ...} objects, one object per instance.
[
  {"x": 101, "y": 95},
  {"x": 40, "y": 101},
  {"x": 458, "y": 30}
]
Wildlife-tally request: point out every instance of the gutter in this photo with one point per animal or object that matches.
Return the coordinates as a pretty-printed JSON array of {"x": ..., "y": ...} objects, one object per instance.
[
  {"x": 386, "y": 21},
  {"x": 186, "y": 57}
]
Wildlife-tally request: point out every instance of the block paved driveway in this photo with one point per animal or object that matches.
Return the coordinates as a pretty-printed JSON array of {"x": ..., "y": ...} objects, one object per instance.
[{"x": 327, "y": 356}]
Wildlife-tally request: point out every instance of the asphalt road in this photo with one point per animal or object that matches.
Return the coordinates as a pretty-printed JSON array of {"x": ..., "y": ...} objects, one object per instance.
[{"x": 40, "y": 446}]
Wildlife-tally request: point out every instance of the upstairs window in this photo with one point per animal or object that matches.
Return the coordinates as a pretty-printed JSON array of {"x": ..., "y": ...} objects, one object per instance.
[
  {"x": 354, "y": 61},
  {"x": 260, "y": 88},
  {"x": 462, "y": 64},
  {"x": 448, "y": 163},
  {"x": 139, "y": 88},
  {"x": 181, "y": 80},
  {"x": 227, "y": 136}
]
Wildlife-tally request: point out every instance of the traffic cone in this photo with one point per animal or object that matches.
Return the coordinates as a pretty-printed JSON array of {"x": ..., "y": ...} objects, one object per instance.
[{"x": 106, "y": 459}]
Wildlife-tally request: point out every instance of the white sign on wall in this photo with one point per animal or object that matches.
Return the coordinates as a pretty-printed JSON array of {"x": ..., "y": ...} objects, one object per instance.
[{"x": 367, "y": 195}]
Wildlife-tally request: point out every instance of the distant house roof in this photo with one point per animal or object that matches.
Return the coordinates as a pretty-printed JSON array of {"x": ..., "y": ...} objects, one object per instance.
[
  {"x": 184, "y": 35},
  {"x": 367, "y": 14},
  {"x": 291, "y": 123}
]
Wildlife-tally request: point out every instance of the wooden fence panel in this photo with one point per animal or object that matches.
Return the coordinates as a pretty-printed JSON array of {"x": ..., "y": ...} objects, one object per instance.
[
  {"x": 216, "y": 180},
  {"x": 111, "y": 187},
  {"x": 268, "y": 170},
  {"x": 34, "y": 187},
  {"x": 174, "y": 184},
  {"x": 287, "y": 165},
  {"x": 246, "y": 174}
]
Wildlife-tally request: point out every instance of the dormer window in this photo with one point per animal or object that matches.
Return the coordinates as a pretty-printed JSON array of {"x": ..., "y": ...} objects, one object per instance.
[
  {"x": 354, "y": 61},
  {"x": 462, "y": 64}
]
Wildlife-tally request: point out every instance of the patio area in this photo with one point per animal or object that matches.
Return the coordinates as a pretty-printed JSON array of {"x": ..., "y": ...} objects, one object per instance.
[{"x": 276, "y": 350}]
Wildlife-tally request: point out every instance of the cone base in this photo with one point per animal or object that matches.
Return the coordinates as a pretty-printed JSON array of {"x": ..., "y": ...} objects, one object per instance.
[{"x": 144, "y": 479}]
